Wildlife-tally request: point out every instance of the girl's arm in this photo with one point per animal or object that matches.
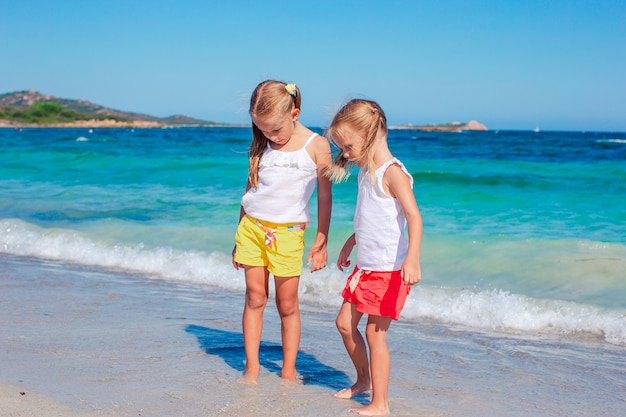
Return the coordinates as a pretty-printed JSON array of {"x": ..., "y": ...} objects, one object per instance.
[
  {"x": 318, "y": 255},
  {"x": 399, "y": 186},
  {"x": 242, "y": 213}
]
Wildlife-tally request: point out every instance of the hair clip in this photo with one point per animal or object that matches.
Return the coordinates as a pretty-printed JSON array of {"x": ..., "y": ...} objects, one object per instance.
[
  {"x": 291, "y": 89},
  {"x": 374, "y": 109}
]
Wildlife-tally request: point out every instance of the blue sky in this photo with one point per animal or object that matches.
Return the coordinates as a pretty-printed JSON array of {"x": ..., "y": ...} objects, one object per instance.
[{"x": 510, "y": 64}]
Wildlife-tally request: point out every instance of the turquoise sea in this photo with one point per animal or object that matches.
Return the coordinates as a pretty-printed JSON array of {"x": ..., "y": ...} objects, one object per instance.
[{"x": 524, "y": 232}]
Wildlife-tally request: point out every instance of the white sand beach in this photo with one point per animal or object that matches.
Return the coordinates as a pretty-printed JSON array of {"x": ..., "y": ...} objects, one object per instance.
[
  {"x": 18, "y": 402},
  {"x": 81, "y": 342}
]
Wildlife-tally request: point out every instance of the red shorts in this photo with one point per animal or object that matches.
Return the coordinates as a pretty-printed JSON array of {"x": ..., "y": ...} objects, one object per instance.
[{"x": 380, "y": 293}]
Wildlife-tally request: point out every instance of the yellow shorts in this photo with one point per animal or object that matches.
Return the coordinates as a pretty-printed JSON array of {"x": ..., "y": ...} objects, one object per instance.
[{"x": 279, "y": 247}]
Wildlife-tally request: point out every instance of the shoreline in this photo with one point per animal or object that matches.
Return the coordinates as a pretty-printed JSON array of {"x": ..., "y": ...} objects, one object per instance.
[
  {"x": 87, "y": 342},
  {"x": 84, "y": 342}
]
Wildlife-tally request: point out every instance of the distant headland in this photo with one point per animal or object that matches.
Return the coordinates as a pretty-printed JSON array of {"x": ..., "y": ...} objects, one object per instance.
[
  {"x": 30, "y": 108},
  {"x": 446, "y": 127}
]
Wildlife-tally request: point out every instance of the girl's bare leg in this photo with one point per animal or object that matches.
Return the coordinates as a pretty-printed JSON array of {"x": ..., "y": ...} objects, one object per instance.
[
  {"x": 289, "y": 312},
  {"x": 252, "y": 320},
  {"x": 380, "y": 363},
  {"x": 347, "y": 323}
]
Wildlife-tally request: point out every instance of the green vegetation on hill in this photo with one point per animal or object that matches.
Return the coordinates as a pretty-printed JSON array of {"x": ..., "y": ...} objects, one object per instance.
[
  {"x": 49, "y": 113},
  {"x": 18, "y": 109}
]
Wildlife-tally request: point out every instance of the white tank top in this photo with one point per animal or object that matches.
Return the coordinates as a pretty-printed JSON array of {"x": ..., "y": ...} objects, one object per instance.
[
  {"x": 379, "y": 223},
  {"x": 286, "y": 183}
]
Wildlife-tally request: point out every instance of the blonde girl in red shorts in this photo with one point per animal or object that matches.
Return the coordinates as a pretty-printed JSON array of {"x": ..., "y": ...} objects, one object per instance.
[
  {"x": 387, "y": 263},
  {"x": 287, "y": 162}
]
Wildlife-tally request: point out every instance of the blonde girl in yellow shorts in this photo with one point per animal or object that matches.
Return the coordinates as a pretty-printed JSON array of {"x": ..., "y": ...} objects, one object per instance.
[{"x": 287, "y": 161}]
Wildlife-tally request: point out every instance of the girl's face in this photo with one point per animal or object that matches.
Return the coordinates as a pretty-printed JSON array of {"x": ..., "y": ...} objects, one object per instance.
[
  {"x": 351, "y": 144},
  {"x": 278, "y": 127}
]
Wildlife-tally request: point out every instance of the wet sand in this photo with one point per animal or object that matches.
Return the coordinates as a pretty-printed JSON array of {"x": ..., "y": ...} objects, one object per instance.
[{"x": 89, "y": 343}]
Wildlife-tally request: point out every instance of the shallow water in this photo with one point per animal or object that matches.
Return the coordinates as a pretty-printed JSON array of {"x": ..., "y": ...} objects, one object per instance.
[
  {"x": 523, "y": 232},
  {"x": 115, "y": 273}
]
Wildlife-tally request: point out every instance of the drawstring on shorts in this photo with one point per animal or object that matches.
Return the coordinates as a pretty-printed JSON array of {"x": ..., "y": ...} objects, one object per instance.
[
  {"x": 270, "y": 235},
  {"x": 271, "y": 240},
  {"x": 354, "y": 281}
]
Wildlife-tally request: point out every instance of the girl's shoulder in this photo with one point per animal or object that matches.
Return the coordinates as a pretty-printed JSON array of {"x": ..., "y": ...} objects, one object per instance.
[
  {"x": 317, "y": 141},
  {"x": 395, "y": 167},
  {"x": 318, "y": 148},
  {"x": 394, "y": 173},
  {"x": 312, "y": 141},
  {"x": 321, "y": 146}
]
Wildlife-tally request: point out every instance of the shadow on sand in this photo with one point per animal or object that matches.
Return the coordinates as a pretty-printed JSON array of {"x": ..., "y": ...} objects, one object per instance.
[{"x": 229, "y": 346}]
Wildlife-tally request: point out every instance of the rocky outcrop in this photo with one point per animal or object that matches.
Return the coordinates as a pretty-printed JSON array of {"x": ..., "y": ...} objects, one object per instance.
[
  {"x": 447, "y": 127},
  {"x": 474, "y": 125}
]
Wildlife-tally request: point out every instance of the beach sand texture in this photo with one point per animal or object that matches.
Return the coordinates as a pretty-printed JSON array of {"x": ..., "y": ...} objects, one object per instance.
[
  {"x": 86, "y": 342},
  {"x": 80, "y": 342}
]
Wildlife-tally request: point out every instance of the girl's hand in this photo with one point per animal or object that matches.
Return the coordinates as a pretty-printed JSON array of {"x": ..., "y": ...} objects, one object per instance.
[
  {"x": 318, "y": 257},
  {"x": 411, "y": 272},
  {"x": 343, "y": 261},
  {"x": 346, "y": 250}
]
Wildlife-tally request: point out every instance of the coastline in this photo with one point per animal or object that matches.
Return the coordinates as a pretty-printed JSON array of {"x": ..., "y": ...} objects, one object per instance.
[
  {"x": 110, "y": 124},
  {"x": 114, "y": 124},
  {"x": 446, "y": 127},
  {"x": 93, "y": 123}
]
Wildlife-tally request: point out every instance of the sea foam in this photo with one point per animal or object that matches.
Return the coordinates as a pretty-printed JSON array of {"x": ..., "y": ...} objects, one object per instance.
[{"x": 483, "y": 310}]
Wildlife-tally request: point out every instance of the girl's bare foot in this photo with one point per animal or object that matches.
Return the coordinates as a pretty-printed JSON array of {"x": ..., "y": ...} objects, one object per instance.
[
  {"x": 247, "y": 379},
  {"x": 354, "y": 390},
  {"x": 371, "y": 410},
  {"x": 250, "y": 376},
  {"x": 289, "y": 375}
]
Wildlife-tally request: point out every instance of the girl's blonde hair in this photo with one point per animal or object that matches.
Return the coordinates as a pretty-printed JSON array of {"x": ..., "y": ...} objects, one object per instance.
[
  {"x": 268, "y": 98},
  {"x": 367, "y": 118}
]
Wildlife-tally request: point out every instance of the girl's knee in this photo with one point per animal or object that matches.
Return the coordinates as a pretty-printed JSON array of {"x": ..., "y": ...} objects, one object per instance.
[
  {"x": 376, "y": 339},
  {"x": 344, "y": 324},
  {"x": 256, "y": 300},
  {"x": 287, "y": 308}
]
